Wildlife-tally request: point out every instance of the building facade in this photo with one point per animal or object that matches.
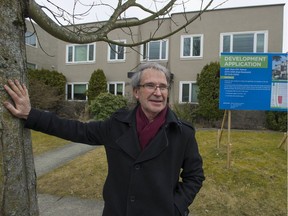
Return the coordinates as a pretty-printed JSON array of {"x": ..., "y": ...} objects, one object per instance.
[{"x": 245, "y": 29}]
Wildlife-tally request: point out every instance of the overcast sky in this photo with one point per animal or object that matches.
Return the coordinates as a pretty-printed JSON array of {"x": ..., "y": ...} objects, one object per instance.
[{"x": 103, "y": 13}]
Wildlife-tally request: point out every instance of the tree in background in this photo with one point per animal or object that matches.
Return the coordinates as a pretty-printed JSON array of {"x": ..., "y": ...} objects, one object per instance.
[
  {"x": 97, "y": 84},
  {"x": 208, "y": 96},
  {"x": 18, "y": 191}
]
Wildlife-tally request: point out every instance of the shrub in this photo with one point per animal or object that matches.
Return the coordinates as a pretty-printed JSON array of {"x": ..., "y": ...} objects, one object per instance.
[
  {"x": 106, "y": 104},
  {"x": 276, "y": 121},
  {"x": 185, "y": 112},
  {"x": 46, "y": 89},
  {"x": 208, "y": 96},
  {"x": 97, "y": 85}
]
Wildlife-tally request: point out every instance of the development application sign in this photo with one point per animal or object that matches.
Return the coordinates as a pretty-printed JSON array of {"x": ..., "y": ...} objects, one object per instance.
[{"x": 253, "y": 81}]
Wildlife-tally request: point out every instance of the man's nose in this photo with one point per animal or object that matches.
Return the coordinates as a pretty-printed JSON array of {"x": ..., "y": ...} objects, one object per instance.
[{"x": 157, "y": 91}]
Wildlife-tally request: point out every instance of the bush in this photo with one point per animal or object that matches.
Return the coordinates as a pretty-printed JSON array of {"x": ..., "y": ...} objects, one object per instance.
[
  {"x": 185, "y": 112},
  {"x": 208, "y": 96},
  {"x": 46, "y": 89},
  {"x": 276, "y": 121},
  {"x": 97, "y": 85},
  {"x": 106, "y": 104}
]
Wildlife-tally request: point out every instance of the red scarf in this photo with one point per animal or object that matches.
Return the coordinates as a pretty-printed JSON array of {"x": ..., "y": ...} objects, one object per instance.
[{"x": 147, "y": 130}]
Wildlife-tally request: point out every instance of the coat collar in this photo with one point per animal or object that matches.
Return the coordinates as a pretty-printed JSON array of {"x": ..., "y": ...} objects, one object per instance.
[{"x": 129, "y": 142}]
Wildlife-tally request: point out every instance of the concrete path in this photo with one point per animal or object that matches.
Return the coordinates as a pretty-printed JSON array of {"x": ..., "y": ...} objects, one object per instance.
[{"x": 64, "y": 206}]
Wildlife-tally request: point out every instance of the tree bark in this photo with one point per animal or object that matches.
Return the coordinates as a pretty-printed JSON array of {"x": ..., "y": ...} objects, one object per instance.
[{"x": 17, "y": 173}]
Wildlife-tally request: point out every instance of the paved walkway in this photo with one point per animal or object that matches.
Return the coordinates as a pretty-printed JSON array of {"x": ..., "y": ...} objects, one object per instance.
[{"x": 64, "y": 206}]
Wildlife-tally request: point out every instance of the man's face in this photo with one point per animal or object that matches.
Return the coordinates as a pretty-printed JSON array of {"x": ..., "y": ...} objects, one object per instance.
[{"x": 152, "y": 100}]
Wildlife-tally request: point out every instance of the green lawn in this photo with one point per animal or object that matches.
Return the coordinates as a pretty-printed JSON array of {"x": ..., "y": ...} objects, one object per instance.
[{"x": 255, "y": 184}]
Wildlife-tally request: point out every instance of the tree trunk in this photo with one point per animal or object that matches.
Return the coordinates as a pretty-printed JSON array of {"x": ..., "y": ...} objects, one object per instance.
[{"x": 17, "y": 172}]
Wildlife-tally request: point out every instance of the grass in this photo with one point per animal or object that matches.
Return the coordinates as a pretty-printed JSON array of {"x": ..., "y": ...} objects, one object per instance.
[
  {"x": 255, "y": 184},
  {"x": 42, "y": 142}
]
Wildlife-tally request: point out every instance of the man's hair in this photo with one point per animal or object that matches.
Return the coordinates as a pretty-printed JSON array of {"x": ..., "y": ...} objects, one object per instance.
[{"x": 136, "y": 78}]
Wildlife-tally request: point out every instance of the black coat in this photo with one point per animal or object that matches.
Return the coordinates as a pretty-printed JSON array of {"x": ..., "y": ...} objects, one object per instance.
[{"x": 139, "y": 183}]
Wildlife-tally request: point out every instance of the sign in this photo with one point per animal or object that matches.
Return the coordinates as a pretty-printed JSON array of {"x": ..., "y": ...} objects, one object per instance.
[{"x": 253, "y": 81}]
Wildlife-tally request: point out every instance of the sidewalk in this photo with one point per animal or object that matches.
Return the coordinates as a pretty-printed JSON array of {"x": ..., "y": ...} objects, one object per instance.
[{"x": 64, "y": 206}]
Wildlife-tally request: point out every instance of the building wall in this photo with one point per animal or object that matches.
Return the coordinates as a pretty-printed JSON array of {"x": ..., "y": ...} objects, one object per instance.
[{"x": 210, "y": 25}]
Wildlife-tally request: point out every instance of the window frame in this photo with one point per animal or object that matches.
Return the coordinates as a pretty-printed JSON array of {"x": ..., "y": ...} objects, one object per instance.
[
  {"x": 190, "y": 83},
  {"x": 116, "y": 53},
  {"x": 191, "y": 56},
  {"x": 145, "y": 48},
  {"x": 232, "y": 34},
  {"x": 115, "y": 87},
  {"x": 68, "y": 46},
  {"x": 72, "y": 90}
]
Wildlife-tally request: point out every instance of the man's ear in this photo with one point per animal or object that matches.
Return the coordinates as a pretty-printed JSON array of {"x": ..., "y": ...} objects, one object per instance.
[{"x": 135, "y": 93}]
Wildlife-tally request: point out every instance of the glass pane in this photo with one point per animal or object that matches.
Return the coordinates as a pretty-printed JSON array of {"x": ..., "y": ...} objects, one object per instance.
[
  {"x": 69, "y": 92},
  {"x": 226, "y": 43},
  {"x": 163, "y": 54},
  {"x": 80, "y": 92},
  {"x": 79, "y": 88},
  {"x": 91, "y": 52},
  {"x": 120, "y": 52},
  {"x": 70, "y": 54},
  {"x": 243, "y": 42},
  {"x": 260, "y": 43},
  {"x": 112, "y": 51},
  {"x": 30, "y": 38},
  {"x": 187, "y": 47},
  {"x": 112, "y": 88},
  {"x": 185, "y": 92},
  {"x": 154, "y": 50},
  {"x": 119, "y": 89},
  {"x": 196, "y": 46},
  {"x": 194, "y": 93},
  {"x": 80, "y": 53}
]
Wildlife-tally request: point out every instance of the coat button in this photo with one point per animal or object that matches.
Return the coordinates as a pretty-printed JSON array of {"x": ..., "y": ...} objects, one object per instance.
[
  {"x": 132, "y": 198},
  {"x": 137, "y": 166}
]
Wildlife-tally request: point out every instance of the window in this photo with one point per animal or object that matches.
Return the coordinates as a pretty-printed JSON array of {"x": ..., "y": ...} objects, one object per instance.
[
  {"x": 188, "y": 92},
  {"x": 116, "y": 52},
  {"x": 191, "y": 46},
  {"x": 31, "y": 66},
  {"x": 116, "y": 88},
  {"x": 30, "y": 39},
  {"x": 80, "y": 53},
  {"x": 76, "y": 91},
  {"x": 155, "y": 50},
  {"x": 244, "y": 42}
]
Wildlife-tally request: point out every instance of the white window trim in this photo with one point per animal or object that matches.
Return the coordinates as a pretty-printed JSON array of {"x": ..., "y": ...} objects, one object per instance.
[
  {"x": 181, "y": 91},
  {"x": 147, "y": 52},
  {"x": 80, "y": 62},
  {"x": 115, "y": 83},
  {"x": 116, "y": 59},
  {"x": 182, "y": 46},
  {"x": 72, "y": 90},
  {"x": 265, "y": 32}
]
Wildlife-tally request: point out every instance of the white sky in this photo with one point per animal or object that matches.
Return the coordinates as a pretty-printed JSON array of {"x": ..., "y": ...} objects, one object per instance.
[{"x": 103, "y": 13}]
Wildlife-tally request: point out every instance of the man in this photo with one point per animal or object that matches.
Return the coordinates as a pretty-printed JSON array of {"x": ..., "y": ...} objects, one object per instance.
[{"x": 147, "y": 148}]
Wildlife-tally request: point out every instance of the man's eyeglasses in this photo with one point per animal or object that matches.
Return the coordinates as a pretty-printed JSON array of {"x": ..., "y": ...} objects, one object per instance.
[{"x": 153, "y": 87}]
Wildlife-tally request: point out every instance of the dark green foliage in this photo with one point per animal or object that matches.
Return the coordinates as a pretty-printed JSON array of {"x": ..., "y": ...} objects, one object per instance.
[
  {"x": 50, "y": 78},
  {"x": 97, "y": 85},
  {"x": 208, "y": 96},
  {"x": 106, "y": 104},
  {"x": 185, "y": 112},
  {"x": 46, "y": 89},
  {"x": 276, "y": 121}
]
